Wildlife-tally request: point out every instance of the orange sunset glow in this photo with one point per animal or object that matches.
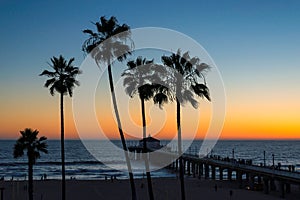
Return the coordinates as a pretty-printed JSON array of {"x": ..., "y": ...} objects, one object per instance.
[
  {"x": 257, "y": 62},
  {"x": 244, "y": 120}
]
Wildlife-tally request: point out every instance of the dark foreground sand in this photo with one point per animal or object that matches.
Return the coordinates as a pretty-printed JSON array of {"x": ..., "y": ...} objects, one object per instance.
[{"x": 164, "y": 188}]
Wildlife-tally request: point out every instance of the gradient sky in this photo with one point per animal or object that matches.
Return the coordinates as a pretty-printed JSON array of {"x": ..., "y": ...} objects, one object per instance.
[{"x": 255, "y": 44}]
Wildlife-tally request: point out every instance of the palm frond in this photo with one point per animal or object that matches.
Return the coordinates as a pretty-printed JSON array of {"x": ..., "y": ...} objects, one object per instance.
[
  {"x": 194, "y": 61},
  {"x": 63, "y": 77},
  {"x": 160, "y": 99},
  {"x": 30, "y": 142},
  {"x": 88, "y": 31},
  {"x": 167, "y": 61},
  {"x": 202, "y": 67},
  {"x": 130, "y": 90},
  {"x": 52, "y": 90},
  {"x": 129, "y": 80},
  {"x": 184, "y": 79},
  {"x": 201, "y": 90},
  {"x": 146, "y": 91},
  {"x": 18, "y": 150},
  {"x": 50, "y": 82},
  {"x": 131, "y": 64},
  {"x": 70, "y": 62},
  {"x": 115, "y": 37},
  {"x": 48, "y": 73},
  {"x": 188, "y": 96}
]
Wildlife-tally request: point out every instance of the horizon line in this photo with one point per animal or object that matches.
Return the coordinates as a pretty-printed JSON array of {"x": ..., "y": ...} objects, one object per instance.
[{"x": 187, "y": 139}]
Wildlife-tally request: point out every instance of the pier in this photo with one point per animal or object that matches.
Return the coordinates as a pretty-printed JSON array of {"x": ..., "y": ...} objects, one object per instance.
[
  {"x": 247, "y": 175},
  {"x": 243, "y": 172}
]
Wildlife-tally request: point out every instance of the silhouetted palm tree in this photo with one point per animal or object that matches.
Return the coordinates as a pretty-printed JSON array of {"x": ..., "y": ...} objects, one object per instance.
[
  {"x": 104, "y": 45},
  {"x": 62, "y": 80},
  {"x": 33, "y": 145},
  {"x": 137, "y": 81},
  {"x": 186, "y": 82}
]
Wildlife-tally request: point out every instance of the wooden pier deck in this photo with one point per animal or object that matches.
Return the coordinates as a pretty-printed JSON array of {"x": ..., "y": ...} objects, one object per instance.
[{"x": 246, "y": 174}]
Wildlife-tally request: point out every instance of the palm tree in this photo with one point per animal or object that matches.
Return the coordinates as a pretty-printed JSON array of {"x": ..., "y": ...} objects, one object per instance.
[
  {"x": 33, "y": 145},
  {"x": 136, "y": 81},
  {"x": 187, "y": 73},
  {"x": 107, "y": 43},
  {"x": 62, "y": 80}
]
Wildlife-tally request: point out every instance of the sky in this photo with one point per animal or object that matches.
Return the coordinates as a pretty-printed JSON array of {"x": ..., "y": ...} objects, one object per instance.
[{"x": 254, "y": 44}]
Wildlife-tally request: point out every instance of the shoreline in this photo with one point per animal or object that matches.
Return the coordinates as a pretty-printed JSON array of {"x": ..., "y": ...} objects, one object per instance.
[{"x": 164, "y": 188}]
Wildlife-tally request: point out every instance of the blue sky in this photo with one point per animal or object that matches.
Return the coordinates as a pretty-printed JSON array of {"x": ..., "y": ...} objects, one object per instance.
[
  {"x": 255, "y": 44},
  {"x": 231, "y": 31}
]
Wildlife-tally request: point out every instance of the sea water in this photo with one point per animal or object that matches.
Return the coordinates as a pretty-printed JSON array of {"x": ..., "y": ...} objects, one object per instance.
[{"x": 80, "y": 164}]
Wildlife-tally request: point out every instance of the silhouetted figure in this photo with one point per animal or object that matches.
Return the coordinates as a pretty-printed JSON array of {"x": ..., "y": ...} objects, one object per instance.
[
  {"x": 230, "y": 193},
  {"x": 216, "y": 187}
]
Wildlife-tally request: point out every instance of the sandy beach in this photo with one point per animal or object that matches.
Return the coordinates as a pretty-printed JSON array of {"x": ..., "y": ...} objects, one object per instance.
[{"x": 164, "y": 188}]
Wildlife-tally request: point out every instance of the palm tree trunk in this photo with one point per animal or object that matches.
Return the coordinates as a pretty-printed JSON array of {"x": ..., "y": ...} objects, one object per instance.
[
  {"x": 150, "y": 190},
  {"x": 62, "y": 144},
  {"x": 30, "y": 179},
  {"x": 181, "y": 170},
  {"x": 113, "y": 96}
]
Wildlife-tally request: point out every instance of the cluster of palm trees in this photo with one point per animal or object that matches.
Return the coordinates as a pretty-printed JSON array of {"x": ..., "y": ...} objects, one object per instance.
[{"x": 179, "y": 78}]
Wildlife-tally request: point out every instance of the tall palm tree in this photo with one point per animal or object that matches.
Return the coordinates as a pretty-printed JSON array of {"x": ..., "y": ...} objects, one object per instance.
[
  {"x": 30, "y": 142},
  {"x": 136, "y": 81},
  {"x": 186, "y": 82},
  {"x": 104, "y": 45},
  {"x": 62, "y": 80}
]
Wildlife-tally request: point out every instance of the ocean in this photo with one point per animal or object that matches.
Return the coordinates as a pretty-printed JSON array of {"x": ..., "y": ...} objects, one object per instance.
[{"x": 80, "y": 164}]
